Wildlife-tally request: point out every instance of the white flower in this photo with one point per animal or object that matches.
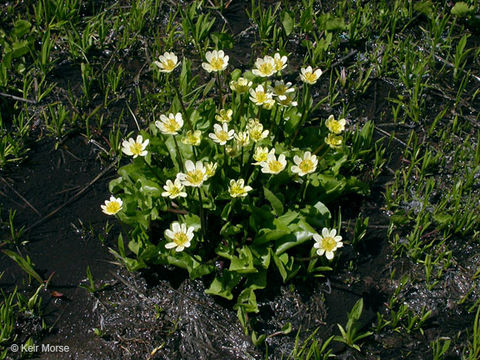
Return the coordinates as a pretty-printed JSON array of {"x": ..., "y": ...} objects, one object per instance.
[
  {"x": 333, "y": 140},
  {"x": 241, "y": 85},
  {"x": 259, "y": 96},
  {"x": 170, "y": 125},
  {"x": 112, "y": 206},
  {"x": 174, "y": 189},
  {"x": 224, "y": 115},
  {"x": 281, "y": 90},
  {"x": 168, "y": 62},
  {"x": 272, "y": 165},
  {"x": 192, "y": 138},
  {"x": 309, "y": 76},
  {"x": 264, "y": 67},
  {"x": 216, "y": 61},
  {"x": 268, "y": 105},
  {"x": 210, "y": 169},
  {"x": 242, "y": 138},
  {"x": 327, "y": 243},
  {"x": 180, "y": 236},
  {"x": 261, "y": 155},
  {"x": 136, "y": 147},
  {"x": 195, "y": 174},
  {"x": 288, "y": 101},
  {"x": 255, "y": 130},
  {"x": 335, "y": 126},
  {"x": 306, "y": 165},
  {"x": 280, "y": 62},
  {"x": 221, "y": 134},
  {"x": 238, "y": 189}
]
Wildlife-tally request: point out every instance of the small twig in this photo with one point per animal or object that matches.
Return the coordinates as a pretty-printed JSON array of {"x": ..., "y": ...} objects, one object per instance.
[
  {"x": 175, "y": 211},
  {"x": 341, "y": 60},
  {"x": 386, "y": 133},
  {"x": 73, "y": 198},
  {"x": 130, "y": 286},
  {"x": 13, "y": 97},
  {"x": 21, "y": 197}
]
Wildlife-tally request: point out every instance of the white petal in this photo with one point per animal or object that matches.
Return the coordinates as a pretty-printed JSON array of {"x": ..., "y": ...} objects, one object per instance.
[
  {"x": 208, "y": 56},
  {"x": 170, "y": 245},
  {"x": 329, "y": 255},
  {"x": 189, "y": 166},
  {"x": 207, "y": 67}
]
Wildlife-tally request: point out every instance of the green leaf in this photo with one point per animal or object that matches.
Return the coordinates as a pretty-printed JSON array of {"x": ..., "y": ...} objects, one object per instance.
[
  {"x": 425, "y": 7},
  {"x": 274, "y": 201},
  {"x": 25, "y": 264},
  {"x": 223, "y": 286},
  {"x": 286, "y": 266},
  {"x": 442, "y": 219},
  {"x": 243, "y": 263},
  {"x": 247, "y": 300},
  {"x": 258, "y": 340},
  {"x": 115, "y": 185},
  {"x": 461, "y": 9},
  {"x": 279, "y": 261},
  {"x": 21, "y": 28},
  {"x": 357, "y": 310},
  {"x": 287, "y": 328},
  {"x": 257, "y": 280},
  {"x": 19, "y": 48},
  {"x": 209, "y": 86},
  {"x": 287, "y": 22},
  {"x": 222, "y": 40}
]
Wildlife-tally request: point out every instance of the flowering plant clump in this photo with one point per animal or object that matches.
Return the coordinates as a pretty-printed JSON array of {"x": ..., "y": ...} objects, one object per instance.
[{"x": 237, "y": 180}]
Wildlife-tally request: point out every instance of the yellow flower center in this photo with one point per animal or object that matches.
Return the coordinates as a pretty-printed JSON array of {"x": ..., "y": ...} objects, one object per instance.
[
  {"x": 328, "y": 243},
  {"x": 256, "y": 132},
  {"x": 222, "y": 135},
  {"x": 180, "y": 238},
  {"x": 169, "y": 65},
  {"x": 210, "y": 171},
  {"x": 174, "y": 191},
  {"x": 192, "y": 139},
  {"x": 195, "y": 177},
  {"x": 235, "y": 189},
  {"x": 310, "y": 77},
  {"x": 260, "y": 96},
  {"x": 260, "y": 157},
  {"x": 113, "y": 207},
  {"x": 335, "y": 126},
  {"x": 266, "y": 68},
  {"x": 216, "y": 63},
  {"x": 333, "y": 140},
  {"x": 306, "y": 165},
  {"x": 136, "y": 148},
  {"x": 280, "y": 89},
  {"x": 171, "y": 125},
  {"x": 278, "y": 64},
  {"x": 275, "y": 166}
]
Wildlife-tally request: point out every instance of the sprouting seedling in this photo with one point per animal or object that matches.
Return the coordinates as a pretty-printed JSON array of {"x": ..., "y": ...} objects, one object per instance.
[
  {"x": 351, "y": 333},
  {"x": 91, "y": 287}
]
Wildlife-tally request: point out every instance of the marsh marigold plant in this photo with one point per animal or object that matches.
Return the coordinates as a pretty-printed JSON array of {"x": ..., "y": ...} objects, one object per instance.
[{"x": 245, "y": 184}]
